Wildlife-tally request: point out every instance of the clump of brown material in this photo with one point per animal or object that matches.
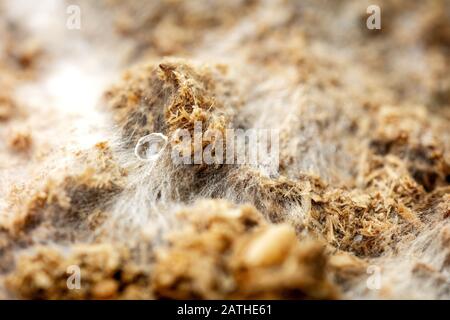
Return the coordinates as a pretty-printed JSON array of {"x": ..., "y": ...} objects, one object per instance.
[
  {"x": 19, "y": 57},
  {"x": 26, "y": 54},
  {"x": 106, "y": 273},
  {"x": 7, "y": 107},
  {"x": 218, "y": 251},
  {"x": 170, "y": 96},
  {"x": 71, "y": 205},
  {"x": 366, "y": 221},
  {"x": 407, "y": 134},
  {"x": 370, "y": 221},
  {"x": 173, "y": 27},
  {"x": 194, "y": 101},
  {"x": 230, "y": 252},
  {"x": 6, "y": 255},
  {"x": 20, "y": 141},
  {"x": 436, "y": 26}
]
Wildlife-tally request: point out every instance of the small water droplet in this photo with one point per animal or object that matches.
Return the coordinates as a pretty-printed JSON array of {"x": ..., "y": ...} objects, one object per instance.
[{"x": 150, "y": 147}]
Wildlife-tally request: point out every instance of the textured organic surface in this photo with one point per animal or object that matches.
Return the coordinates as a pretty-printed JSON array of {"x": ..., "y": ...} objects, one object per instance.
[{"x": 364, "y": 155}]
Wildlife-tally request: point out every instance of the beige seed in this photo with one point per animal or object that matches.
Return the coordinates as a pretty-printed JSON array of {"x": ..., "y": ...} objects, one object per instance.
[{"x": 271, "y": 247}]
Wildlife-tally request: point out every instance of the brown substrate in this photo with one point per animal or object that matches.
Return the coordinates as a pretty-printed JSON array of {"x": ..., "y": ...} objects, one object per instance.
[{"x": 364, "y": 175}]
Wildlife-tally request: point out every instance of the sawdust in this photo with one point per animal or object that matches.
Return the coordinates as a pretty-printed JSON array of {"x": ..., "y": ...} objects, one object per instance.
[{"x": 364, "y": 159}]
